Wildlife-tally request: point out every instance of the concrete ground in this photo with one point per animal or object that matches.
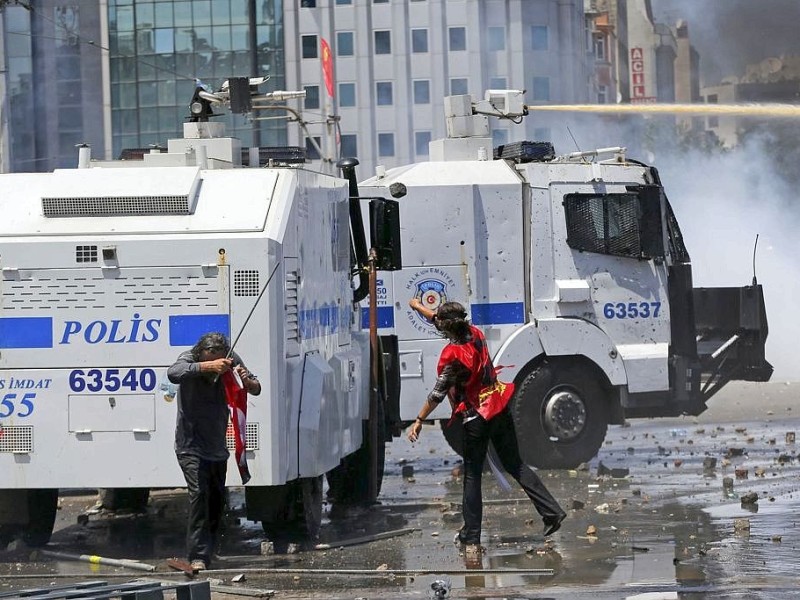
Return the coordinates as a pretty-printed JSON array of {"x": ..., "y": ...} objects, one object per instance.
[{"x": 664, "y": 526}]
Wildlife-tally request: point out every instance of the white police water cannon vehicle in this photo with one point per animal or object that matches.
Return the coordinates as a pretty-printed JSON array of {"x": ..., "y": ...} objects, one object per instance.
[
  {"x": 575, "y": 268},
  {"x": 112, "y": 269}
]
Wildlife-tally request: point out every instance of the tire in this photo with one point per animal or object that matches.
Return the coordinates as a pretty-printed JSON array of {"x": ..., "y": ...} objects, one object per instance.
[
  {"x": 311, "y": 492},
  {"x": 42, "y": 507},
  {"x": 348, "y": 483},
  {"x": 131, "y": 499},
  {"x": 560, "y": 415},
  {"x": 453, "y": 434}
]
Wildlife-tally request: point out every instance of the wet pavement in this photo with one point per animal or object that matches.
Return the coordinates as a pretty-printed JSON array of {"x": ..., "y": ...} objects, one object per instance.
[{"x": 649, "y": 517}]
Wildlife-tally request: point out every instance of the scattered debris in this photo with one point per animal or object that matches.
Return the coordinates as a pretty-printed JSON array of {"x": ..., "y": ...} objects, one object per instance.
[
  {"x": 407, "y": 471},
  {"x": 749, "y": 498},
  {"x": 591, "y": 530},
  {"x": 577, "y": 504},
  {"x": 709, "y": 463},
  {"x": 741, "y": 473},
  {"x": 790, "y": 437},
  {"x": 239, "y": 578},
  {"x": 741, "y": 525}
]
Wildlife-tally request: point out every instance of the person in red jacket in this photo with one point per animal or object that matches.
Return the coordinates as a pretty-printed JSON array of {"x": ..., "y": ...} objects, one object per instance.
[{"x": 467, "y": 376}]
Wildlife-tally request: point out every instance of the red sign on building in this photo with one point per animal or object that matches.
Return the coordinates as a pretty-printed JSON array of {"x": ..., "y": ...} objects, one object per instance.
[{"x": 638, "y": 89}]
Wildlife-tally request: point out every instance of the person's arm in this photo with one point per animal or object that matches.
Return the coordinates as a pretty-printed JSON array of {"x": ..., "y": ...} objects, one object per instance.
[
  {"x": 447, "y": 379},
  {"x": 186, "y": 366},
  {"x": 420, "y": 308}
]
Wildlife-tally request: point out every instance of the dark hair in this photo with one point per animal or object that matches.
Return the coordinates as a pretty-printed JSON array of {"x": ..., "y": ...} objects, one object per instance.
[
  {"x": 211, "y": 341},
  {"x": 451, "y": 320}
]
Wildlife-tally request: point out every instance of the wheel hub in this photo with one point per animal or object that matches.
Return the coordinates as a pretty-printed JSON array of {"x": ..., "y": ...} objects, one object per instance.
[{"x": 564, "y": 415}]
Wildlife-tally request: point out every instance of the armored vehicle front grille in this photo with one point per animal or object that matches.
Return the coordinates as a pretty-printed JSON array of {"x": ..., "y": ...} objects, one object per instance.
[
  {"x": 245, "y": 283},
  {"x": 86, "y": 254},
  {"x": 114, "y": 206},
  {"x": 87, "y": 291},
  {"x": 251, "y": 437},
  {"x": 16, "y": 438}
]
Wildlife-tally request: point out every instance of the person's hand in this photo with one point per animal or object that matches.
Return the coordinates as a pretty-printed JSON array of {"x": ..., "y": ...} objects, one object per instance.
[
  {"x": 218, "y": 365},
  {"x": 413, "y": 433},
  {"x": 250, "y": 382},
  {"x": 415, "y": 303}
]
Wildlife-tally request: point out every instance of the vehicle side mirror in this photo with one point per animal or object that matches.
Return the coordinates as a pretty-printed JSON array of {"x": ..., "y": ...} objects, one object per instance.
[{"x": 384, "y": 226}]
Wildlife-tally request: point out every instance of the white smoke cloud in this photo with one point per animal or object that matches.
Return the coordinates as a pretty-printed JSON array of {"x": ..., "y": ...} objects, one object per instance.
[{"x": 722, "y": 202}]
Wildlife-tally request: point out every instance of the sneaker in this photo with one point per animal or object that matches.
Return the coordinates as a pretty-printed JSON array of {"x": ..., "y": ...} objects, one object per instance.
[
  {"x": 198, "y": 565},
  {"x": 553, "y": 524}
]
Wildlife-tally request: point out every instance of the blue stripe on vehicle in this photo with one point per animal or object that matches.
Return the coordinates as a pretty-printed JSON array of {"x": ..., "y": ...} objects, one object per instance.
[
  {"x": 185, "y": 330},
  {"x": 385, "y": 317},
  {"x": 26, "y": 332},
  {"x": 497, "y": 313}
]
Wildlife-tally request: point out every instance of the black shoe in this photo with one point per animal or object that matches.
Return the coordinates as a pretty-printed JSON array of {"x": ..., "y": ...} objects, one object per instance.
[{"x": 553, "y": 524}]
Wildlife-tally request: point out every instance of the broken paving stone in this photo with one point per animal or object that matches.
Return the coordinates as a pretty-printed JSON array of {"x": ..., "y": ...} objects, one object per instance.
[
  {"x": 790, "y": 437},
  {"x": 239, "y": 578},
  {"x": 678, "y": 462},
  {"x": 749, "y": 498},
  {"x": 727, "y": 483},
  {"x": 591, "y": 530},
  {"x": 383, "y": 567},
  {"x": 785, "y": 458},
  {"x": 741, "y": 525},
  {"x": 777, "y": 538},
  {"x": 733, "y": 452},
  {"x": 740, "y": 429},
  {"x": 452, "y": 516},
  {"x": 741, "y": 473},
  {"x": 709, "y": 463},
  {"x": 602, "y": 508},
  {"x": 407, "y": 471},
  {"x": 759, "y": 471},
  {"x": 577, "y": 504}
]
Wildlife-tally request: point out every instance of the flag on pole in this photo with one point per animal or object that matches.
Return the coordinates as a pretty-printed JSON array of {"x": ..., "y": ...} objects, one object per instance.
[{"x": 327, "y": 66}]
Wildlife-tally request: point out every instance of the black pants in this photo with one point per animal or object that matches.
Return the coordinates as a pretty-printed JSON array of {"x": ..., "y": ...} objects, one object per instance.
[
  {"x": 500, "y": 431},
  {"x": 206, "y": 482}
]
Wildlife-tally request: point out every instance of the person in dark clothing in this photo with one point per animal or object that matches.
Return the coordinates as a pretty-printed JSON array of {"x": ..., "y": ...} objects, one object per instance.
[
  {"x": 467, "y": 376},
  {"x": 200, "y": 443}
]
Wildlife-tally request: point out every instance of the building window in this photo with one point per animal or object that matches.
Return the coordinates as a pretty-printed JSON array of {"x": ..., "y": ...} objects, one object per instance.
[
  {"x": 311, "y": 149},
  {"x": 383, "y": 93},
  {"x": 380, "y": 1},
  {"x": 308, "y": 3},
  {"x": 344, "y": 43},
  {"x": 385, "y": 144},
  {"x": 459, "y": 86},
  {"x": 422, "y": 91},
  {"x": 312, "y": 96},
  {"x": 342, "y": 2},
  {"x": 421, "y": 141},
  {"x": 499, "y": 137},
  {"x": 497, "y": 38},
  {"x": 599, "y": 47},
  {"x": 539, "y": 37},
  {"x": 383, "y": 42},
  {"x": 347, "y": 95},
  {"x": 349, "y": 147},
  {"x": 498, "y": 83},
  {"x": 541, "y": 89},
  {"x": 309, "y": 46},
  {"x": 457, "y": 39},
  {"x": 419, "y": 40},
  {"x": 602, "y": 94}
]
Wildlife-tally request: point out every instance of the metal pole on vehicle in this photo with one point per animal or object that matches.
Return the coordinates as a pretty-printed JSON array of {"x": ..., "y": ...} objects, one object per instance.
[{"x": 374, "y": 379}]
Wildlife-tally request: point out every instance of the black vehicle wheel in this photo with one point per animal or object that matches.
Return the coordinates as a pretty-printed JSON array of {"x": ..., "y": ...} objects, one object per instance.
[
  {"x": 311, "y": 491},
  {"x": 42, "y": 507},
  {"x": 560, "y": 415},
  {"x": 453, "y": 431},
  {"x": 128, "y": 499}
]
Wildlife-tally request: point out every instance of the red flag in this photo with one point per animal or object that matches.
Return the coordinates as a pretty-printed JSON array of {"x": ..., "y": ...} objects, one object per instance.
[
  {"x": 236, "y": 396},
  {"x": 327, "y": 66}
]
